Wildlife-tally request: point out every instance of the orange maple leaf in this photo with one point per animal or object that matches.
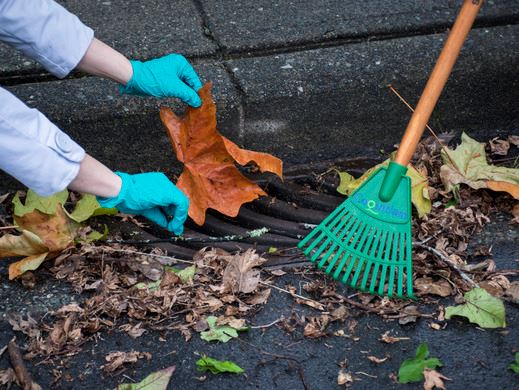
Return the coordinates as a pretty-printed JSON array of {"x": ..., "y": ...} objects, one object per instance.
[{"x": 210, "y": 178}]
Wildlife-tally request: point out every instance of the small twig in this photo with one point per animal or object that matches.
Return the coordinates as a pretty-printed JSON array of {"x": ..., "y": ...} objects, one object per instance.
[
  {"x": 449, "y": 262},
  {"x": 3, "y": 350},
  {"x": 169, "y": 258},
  {"x": 276, "y": 356},
  {"x": 267, "y": 325},
  {"x": 290, "y": 293},
  {"x": 19, "y": 367},
  {"x": 8, "y": 227},
  {"x": 445, "y": 149},
  {"x": 365, "y": 374}
]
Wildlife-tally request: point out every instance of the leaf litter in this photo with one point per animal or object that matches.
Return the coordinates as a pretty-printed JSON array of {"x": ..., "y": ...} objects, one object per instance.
[{"x": 135, "y": 293}]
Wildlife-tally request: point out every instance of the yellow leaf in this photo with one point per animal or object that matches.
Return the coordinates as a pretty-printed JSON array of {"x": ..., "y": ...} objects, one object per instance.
[
  {"x": 25, "y": 245},
  {"x": 467, "y": 164},
  {"x": 30, "y": 263}
]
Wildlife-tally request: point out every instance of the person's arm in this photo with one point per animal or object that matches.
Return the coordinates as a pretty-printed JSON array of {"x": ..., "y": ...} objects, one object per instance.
[{"x": 45, "y": 159}]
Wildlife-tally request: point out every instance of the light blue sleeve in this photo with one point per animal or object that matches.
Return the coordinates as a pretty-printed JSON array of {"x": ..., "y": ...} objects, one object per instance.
[
  {"x": 33, "y": 149},
  {"x": 46, "y": 32}
]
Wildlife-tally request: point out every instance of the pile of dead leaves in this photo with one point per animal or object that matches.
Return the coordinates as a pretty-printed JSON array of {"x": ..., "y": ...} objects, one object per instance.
[{"x": 177, "y": 299}]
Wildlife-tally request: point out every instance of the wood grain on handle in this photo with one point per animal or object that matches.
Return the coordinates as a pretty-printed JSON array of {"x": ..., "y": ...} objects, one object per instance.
[{"x": 437, "y": 80}]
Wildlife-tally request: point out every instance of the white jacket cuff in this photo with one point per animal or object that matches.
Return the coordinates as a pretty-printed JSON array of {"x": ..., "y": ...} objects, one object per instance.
[{"x": 34, "y": 150}]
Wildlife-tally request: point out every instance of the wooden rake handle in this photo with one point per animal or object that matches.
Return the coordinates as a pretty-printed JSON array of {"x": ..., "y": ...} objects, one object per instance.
[{"x": 437, "y": 81}]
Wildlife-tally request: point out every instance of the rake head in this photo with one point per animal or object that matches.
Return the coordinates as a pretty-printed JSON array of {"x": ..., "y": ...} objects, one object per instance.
[{"x": 366, "y": 242}]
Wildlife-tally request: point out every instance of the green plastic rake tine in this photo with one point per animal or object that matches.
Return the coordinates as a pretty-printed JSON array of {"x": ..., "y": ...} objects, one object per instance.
[
  {"x": 374, "y": 254},
  {"x": 340, "y": 227},
  {"x": 325, "y": 233},
  {"x": 333, "y": 261},
  {"x": 363, "y": 235},
  {"x": 387, "y": 258},
  {"x": 317, "y": 229},
  {"x": 391, "y": 283},
  {"x": 372, "y": 237},
  {"x": 350, "y": 232},
  {"x": 400, "y": 268},
  {"x": 408, "y": 266},
  {"x": 374, "y": 274}
]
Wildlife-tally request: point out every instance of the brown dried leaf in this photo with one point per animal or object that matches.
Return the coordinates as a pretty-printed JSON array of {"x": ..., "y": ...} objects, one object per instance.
[
  {"x": 117, "y": 359},
  {"x": 8, "y": 377},
  {"x": 513, "y": 291},
  {"x": 240, "y": 274},
  {"x": 133, "y": 331},
  {"x": 433, "y": 379},
  {"x": 210, "y": 178},
  {"x": 316, "y": 326},
  {"x": 344, "y": 378},
  {"x": 427, "y": 285},
  {"x": 377, "y": 360},
  {"x": 260, "y": 298},
  {"x": 499, "y": 147},
  {"x": 386, "y": 338}
]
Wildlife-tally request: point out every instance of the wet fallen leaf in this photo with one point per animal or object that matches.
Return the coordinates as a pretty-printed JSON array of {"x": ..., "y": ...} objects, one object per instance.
[
  {"x": 386, "y": 338},
  {"x": 377, "y": 360},
  {"x": 410, "y": 314},
  {"x": 515, "y": 213},
  {"x": 215, "y": 366},
  {"x": 471, "y": 168},
  {"x": 412, "y": 369},
  {"x": 316, "y": 327},
  {"x": 133, "y": 331},
  {"x": 240, "y": 274},
  {"x": 156, "y": 381},
  {"x": 222, "y": 333},
  {"x": 260, "y": 298},
  {"x": 499, "y": 147},
  {"x": 481, "y": 308},
  {"x": 8, "y": 377},
  {"x": 116, "y": 359},
  {"x": 278, "y": 272},
  {"x": 427, "y": 285},
  {"x": 46, "y": 228},
  {"x": 186, "y": 275},
  {"x": 210, "y": 178},
  {"x": 433, "y": 379},
  {"x": 419, "y": 186},
  {"x": 344, "y": 377},
  {"x": 515, "y": 365},
  {"x": 513, "y": 291}
]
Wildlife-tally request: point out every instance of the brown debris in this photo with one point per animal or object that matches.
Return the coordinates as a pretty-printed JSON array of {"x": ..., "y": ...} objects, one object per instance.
[
  {"x": 117, "y": 359},
  {"x": 22, "y": 374}
]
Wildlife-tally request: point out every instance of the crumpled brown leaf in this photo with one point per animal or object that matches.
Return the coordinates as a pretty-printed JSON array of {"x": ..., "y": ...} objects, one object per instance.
[
  {"x": 117, "y": 359},
  {"x": 8, "y": 377},
  {"x": 433, "y": 379},
  {"x": 427, "y": 285},
  {"x": 316, "y": 326},
  {"x": 210, "y": 178},
  {"x": 240, "y": 274}
]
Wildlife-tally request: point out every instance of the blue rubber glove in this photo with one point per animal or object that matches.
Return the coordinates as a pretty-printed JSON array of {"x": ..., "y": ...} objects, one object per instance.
[
  {"x": 153, "y": 196},
  {"x": 168, "y": 76}
]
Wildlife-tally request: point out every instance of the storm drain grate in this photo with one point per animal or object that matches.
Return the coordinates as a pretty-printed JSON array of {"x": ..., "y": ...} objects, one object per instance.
[{"x": 292, "y": 208}]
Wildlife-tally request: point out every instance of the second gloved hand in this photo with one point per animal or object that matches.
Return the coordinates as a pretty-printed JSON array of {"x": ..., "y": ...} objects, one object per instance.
[
  {"x": 153, "y": 196},
  {"x": 168, "y": 76}
]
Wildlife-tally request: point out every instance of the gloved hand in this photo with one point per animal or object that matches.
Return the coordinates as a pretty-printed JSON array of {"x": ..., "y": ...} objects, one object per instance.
[
  {"x": 171, "y": 75},
  {"x": 153, "y": 196}
]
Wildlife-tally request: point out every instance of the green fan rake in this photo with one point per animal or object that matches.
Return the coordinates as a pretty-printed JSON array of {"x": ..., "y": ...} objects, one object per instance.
[{"x": 366, "y": 242}]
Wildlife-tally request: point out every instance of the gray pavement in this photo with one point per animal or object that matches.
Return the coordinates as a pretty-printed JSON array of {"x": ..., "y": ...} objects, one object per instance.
[{"x": 282, "y": 84}]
